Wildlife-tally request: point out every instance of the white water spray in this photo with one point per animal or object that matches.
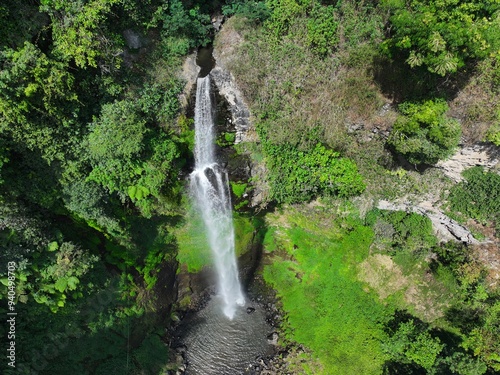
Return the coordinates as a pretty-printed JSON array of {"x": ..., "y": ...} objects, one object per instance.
[{"x": 210, "y": 187}]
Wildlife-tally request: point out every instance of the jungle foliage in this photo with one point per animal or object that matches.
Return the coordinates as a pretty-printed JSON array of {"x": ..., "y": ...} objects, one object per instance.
[
  {"x": 443, "y": 35},
  {"x": 90, "y": 156},
  {"x": 93, "y": 149}
]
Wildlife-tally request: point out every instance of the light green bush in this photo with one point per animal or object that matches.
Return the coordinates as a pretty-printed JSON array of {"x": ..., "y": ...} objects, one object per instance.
[{"x": 423, "y": 134}]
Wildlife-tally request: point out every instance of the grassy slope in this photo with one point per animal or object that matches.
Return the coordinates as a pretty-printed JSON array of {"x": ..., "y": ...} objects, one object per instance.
[
  {"x": 328, "y": 309},
  {"x": 339, "y": 287},
  {"x": 319, "y": 262}
]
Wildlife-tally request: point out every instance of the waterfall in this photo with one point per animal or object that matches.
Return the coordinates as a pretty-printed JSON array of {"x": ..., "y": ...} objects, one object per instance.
[{"x": 210, "y": 187}]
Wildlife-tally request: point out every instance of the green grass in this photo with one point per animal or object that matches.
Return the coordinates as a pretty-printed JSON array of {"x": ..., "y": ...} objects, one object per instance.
[{"x": 327, "y": 308}]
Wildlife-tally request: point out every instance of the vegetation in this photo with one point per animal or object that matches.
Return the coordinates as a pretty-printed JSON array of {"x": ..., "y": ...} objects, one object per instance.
[
  {"x": 478, "y": 197},
  {"x": 424, "y": 134},
  {"x": 344, "y": 298},
  {"x": 297, "y": 176},
  {"x": 90, "y": 155},
  {"x": 454, "y": 32},
  {"x": 94, "y": 147},
  {"x": 326, "y": 308}
]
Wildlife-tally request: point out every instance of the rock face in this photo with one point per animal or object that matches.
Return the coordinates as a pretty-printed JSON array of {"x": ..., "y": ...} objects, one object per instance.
[
  {"x": 133, "y": 39},
  {"x": 189, "y": 74},
  {"x": 445, "y": 228},
  {"x": 485, "y": 155},
  {"x": 226, "y": 83},
  {"x": 217, "y": 21},
  {"x": 239, "y": 110}
]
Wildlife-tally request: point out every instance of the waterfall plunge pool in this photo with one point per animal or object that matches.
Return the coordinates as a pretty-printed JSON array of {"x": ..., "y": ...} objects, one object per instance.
[{"x": 216, "y": 345}]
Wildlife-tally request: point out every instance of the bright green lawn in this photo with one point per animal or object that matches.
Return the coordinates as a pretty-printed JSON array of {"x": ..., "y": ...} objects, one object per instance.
[{"x": 328, "y": 309}]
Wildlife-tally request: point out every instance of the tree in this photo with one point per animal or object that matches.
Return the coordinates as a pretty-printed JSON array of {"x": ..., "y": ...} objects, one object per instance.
[
  {"x": 80, "y": 34},
  {"x": 182, "y": 28},
  {"x": 412, "y": 343},
  {"x": 115, "y": 142},
  {"x": 37, "y": 101},
  {"x": 443, "y": 34},
  {"x": 484, "y": 340},
  {"x": 20, "y": 21},
  {"x": 256, "y": 11},
  {"x": 129, "y": 157},
  {"x": 423, "y": 134}
]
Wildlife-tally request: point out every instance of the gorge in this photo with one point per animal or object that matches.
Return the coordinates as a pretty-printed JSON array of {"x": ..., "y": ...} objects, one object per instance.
[{"x": 223, "y": 337}]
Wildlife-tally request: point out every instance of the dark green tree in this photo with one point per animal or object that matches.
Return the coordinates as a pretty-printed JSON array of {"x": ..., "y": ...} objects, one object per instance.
[
  {"x": 80, "y": 32},
  {"x": 412, "y": 343},
  {"x": 37, "y": 101}
]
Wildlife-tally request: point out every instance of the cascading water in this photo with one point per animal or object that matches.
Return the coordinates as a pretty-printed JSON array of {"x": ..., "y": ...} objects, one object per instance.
[{"x": 210, "y": 187}]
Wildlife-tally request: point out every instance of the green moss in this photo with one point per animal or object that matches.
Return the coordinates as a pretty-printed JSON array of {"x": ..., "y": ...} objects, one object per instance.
[
  {"x": 238, "y": 188},
  {"x": 244, "y": 230},
  {"x": 194, "y": 251},
  {"x": 327, "y": 308},
  {"x": 230, "y": 137}
]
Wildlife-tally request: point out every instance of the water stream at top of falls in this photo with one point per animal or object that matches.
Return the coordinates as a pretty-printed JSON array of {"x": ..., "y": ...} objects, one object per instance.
[{"x": 210, "y": 187}]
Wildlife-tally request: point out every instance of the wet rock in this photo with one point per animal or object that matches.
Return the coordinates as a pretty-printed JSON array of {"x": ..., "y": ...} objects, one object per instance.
[
  {"x": 250, "y": 310},
  {"x": 273, "y": 338},
  {"x": 217, "y": 21},
  {"x": 227, "y": 41},
  {"x": 181, "y": 350},
  {"x": 240, "y": 113}
]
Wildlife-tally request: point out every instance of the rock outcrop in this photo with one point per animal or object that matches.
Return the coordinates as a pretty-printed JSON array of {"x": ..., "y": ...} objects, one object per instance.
[
  {"x": 189, "y": 74},
  {"x": 482, "y": 154},
  {"x": 239, "y": 110},
  {"x": 223, "y": 53},
  {"x": 445, "y": 228}
]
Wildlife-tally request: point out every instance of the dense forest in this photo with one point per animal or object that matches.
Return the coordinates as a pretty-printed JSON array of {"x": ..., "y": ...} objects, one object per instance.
[{"x": 352, "y": 103}]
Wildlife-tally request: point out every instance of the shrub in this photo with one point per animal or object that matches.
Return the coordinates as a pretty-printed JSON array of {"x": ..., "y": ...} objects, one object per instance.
[
  {"x": 423, "y": 134},
  {"x": 413, "y": 343},
  {"x": 297, "y": 176},
  {"x": 443, "y": 35},
  {"x": 322, "y": 29},
  {"x": 478, "y": 197},
  {"x": 493, "y": 134},
  {"x": 403, "y": 231},
  {"x": 238, "y": 188},
  {"x": 256, "y": 11}
]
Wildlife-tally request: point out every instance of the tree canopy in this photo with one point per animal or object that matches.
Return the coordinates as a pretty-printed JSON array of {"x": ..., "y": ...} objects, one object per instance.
[{"x": 443, "y": 35}]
